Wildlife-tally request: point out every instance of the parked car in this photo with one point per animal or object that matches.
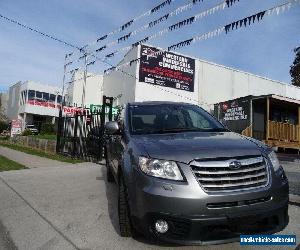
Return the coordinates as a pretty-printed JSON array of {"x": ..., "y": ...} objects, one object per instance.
[
  {"x": 184, "y": 178},
  {"x": 32, "y": 128}
]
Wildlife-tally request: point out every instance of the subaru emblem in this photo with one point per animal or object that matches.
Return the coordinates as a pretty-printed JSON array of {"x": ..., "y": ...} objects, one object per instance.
[{"x": 235, "y": 165}]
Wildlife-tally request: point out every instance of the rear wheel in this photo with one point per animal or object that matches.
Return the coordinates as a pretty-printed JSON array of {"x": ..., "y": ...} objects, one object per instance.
[{"x": 123, "y": 211}]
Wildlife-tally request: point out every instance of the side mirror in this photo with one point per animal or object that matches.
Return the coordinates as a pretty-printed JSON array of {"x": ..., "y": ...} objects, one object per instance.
[{"x": 112, "y": 127}]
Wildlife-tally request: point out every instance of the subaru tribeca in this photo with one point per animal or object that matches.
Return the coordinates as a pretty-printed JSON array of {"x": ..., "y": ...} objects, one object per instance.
[{"x": 184, "y": 178}]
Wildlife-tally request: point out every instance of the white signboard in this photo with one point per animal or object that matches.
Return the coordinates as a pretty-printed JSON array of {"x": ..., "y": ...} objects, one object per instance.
[{"x": 16, "y": 127}]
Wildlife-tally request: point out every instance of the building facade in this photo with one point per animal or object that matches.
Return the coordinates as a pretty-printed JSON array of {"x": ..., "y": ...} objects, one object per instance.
[
  {"x": 174, "y": 77},
  {"x": 33, "y": 103},
  {"x": 80, "y": 94}
]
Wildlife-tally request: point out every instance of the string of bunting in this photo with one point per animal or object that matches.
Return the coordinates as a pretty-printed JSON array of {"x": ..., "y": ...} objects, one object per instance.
[
  {"x": 129, "y": 23},
  {"x": 151, "y": 24},
  {"x": 210, "y": 11},
  {"x": 178, "y": 25},
  {"x": 224, "y": 29},
  {"x": 163, "y": 18}
]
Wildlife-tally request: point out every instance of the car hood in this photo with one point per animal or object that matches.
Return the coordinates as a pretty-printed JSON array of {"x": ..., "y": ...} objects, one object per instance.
[{"x": 185, "y": 147}]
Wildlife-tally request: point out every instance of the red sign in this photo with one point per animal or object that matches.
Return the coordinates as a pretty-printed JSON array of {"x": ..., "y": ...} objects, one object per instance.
[{"x": 47, "y": 104}]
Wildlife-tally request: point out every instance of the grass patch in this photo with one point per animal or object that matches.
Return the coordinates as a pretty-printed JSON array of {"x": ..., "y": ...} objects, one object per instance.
[
  {"x": 48, "y": 137},
  {"x": 40, "y": 153},
  {"x": 7, "y": 164}
]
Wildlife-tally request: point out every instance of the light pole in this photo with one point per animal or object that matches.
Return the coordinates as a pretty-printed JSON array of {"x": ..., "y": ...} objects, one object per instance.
[{"x": 59, "y": 127}]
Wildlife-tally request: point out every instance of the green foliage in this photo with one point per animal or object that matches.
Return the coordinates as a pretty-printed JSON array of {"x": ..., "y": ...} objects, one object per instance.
[
  {"x": 3, "y": 126},
  {"x": 47, "y": 129},
  {"x": 295, "y": 68},
  {"x": 27, "y": 132},
  {"x": 7, "y": 164},
  {"x": 40, "y": 153}
]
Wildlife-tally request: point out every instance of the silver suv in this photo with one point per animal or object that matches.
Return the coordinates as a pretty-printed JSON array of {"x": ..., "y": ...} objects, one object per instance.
[{"x": 186, "y": 179}]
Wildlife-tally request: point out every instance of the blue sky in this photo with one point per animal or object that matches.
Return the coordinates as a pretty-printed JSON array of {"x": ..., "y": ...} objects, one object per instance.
[{"x": 264, "y": 49}]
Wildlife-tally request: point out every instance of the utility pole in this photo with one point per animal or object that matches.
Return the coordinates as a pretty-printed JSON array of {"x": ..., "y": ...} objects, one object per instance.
[
  {"x": 59, "y": 125},
  {"x": 84, "y": 81}
]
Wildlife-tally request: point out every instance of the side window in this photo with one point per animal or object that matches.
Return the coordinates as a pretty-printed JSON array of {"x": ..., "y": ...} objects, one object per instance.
[{"x": 198, "y": 121}]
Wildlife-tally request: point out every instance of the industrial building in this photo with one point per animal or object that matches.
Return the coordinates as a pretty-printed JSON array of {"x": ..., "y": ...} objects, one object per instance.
[
  {"x": 149, "y": 73},
  {"x": 152, "y": 78},
  {"x": 78, "y": 93},
  {"x": 33, "y": 103}
]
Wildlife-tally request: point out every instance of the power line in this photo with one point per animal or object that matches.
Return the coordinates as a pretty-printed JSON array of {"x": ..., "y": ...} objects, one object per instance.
[
  {"x": 177, "y": 11},
  {"x": 39, "y": 32}
]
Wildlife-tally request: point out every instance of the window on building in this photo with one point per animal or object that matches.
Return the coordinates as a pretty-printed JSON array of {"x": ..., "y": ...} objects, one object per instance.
[
  {"x": 45, "y": 96},
  {"x": 59, "y": 99},
  {"x": 39, "y": 95},
  {"x": 31, "y": 94},
  {"x": 52, "y": 97}
]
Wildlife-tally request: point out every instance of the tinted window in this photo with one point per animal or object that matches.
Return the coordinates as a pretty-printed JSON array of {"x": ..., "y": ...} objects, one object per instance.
[
  {"x": 145, "y": 119},
  {"x": 45, "y": 96},
  {"x": 52, "y": 97},
  {"x": 31, "y": 94},
  {"x": 59, "y": 99},
  {"x": 39, "y": 95}
]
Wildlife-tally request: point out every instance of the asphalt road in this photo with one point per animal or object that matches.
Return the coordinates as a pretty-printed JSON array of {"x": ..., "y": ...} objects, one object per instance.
[
  {"x": 292, "y": 170},
  {"x": 73, "y": 207}
]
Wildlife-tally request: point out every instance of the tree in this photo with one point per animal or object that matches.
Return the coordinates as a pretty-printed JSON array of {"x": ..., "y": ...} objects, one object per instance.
[{"x": 295, "y": 68}]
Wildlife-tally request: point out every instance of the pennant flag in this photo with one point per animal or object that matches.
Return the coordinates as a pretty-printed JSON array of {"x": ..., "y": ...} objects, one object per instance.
[
  {"x": 231, "y": 2},
  {"x": 180, "y": 44},
  {"x": 90, "y": 63},
  {"x": 247, "y": 20},
  {"x": 182, "y": 23},
  {"x": 124, "y": 38},
  {"x": 109, "y": 69},
  {"x": 141, "y": 41},
  {"x": 163, "y": 4},
  {"x": 101, "y": 38},
  {"x": 102, "y": 48},
  {"x": 110, "y": 55},
  {"x": 126, "y": 25},
  {"x": 132, "y": 61},
  {"x": 157, "y": 21}
]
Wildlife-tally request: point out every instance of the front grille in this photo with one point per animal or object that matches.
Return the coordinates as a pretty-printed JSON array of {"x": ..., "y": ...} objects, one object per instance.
[{"x": 216, "y": 175}]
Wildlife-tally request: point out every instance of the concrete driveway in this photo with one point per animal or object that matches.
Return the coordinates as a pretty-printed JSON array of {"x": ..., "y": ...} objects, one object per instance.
[{"x": 73, "y": 207}]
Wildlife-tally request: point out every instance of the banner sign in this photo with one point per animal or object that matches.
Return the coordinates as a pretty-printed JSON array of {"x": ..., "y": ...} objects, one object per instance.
[
  {"x": 235, "y": 114},
  {"x": 16, "y": 127},
  {"x": 48, "y": 104},
  {"x": 98, "y": 108},
  {"x": 166, "y": 69}
]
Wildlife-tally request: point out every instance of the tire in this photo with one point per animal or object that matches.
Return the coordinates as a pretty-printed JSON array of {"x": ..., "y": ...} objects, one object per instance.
[
  {"x": 109, "y": 175},
  {"x": 123, "y": 211}
]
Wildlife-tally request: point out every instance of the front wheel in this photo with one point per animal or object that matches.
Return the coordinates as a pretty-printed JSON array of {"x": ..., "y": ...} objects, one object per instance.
[
  {"x": 123, "y": 211},
  {"x": 109, "y": 174}
]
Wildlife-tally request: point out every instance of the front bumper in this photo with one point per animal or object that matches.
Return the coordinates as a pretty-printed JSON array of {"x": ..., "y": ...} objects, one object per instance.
[
  {"x": 214, "y": 230},
  {"x": 195, "y": 217}
]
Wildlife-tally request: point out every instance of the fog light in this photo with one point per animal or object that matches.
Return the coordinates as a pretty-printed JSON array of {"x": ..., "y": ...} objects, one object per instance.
[{"x": 161, "y": 226}]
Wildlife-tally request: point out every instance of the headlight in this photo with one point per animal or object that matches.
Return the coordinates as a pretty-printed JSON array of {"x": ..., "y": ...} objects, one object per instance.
[
  {"x": 160, "y": 168},
  {"x": 274, "y": 160}
]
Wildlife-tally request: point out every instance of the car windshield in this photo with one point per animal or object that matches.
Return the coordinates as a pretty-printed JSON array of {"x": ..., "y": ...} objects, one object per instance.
[{"x": 171, "y": 118}]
